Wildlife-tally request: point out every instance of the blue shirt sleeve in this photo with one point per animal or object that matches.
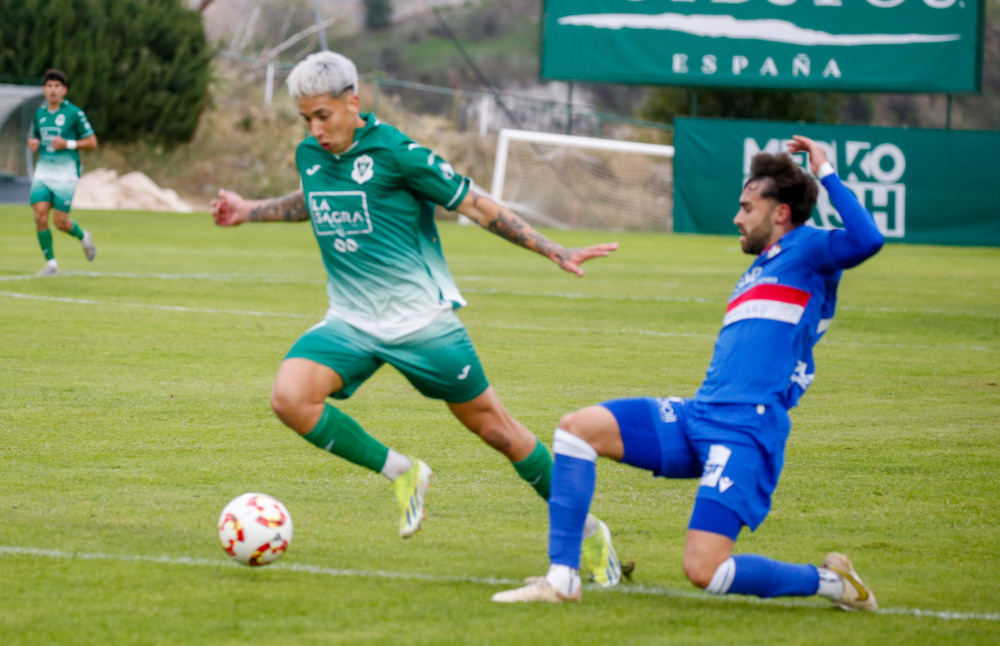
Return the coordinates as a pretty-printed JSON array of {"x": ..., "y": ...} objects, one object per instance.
[{"x": 860, "y": 238}]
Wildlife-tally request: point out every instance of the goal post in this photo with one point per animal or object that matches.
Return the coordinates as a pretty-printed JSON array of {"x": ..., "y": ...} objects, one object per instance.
[{"x": 567, "y": 181}]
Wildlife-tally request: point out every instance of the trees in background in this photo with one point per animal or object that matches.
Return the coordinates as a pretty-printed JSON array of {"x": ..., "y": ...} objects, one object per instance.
[
  {"x": 140, "y": 68},
  {"x": 378, "y": 14}
]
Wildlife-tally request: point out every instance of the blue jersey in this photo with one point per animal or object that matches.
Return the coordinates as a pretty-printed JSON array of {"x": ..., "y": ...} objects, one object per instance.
[{"x": 782, "y": 306}]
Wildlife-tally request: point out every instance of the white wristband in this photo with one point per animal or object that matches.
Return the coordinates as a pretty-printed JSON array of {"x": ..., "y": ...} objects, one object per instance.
[
  {"x": 71, "y": 144},
  {"x": 826, "y": 168}
]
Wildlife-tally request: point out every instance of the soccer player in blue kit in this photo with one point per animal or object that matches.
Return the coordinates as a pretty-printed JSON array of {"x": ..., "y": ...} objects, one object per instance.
[{"x": 732, "y": 433}]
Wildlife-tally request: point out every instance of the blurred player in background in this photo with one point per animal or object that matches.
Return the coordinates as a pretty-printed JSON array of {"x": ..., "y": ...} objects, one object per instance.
[
  {"x": 370, "y": 192},
  {"x": 732, "y": 433},
  {"x": 59, "y": 131}
]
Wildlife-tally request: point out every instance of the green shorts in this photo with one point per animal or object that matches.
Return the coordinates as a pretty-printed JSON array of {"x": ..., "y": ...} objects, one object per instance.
[
  {"x": 438, "y": 360},
  {"x": 57, "y": 193}
]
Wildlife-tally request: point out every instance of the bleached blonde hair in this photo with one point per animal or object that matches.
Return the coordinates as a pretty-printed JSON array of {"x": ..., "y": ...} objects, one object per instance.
[{"x": 323, "y": 73}]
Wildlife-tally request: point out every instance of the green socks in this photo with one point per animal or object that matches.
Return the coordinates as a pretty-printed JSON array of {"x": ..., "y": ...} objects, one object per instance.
[
  {"x": 45, "y": 242},
  {"x": 536, "y": 470},
  {"x": 337, "y": 433}
]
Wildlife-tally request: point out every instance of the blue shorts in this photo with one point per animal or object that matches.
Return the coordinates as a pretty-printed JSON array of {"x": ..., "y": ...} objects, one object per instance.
[{"x": 736, "y": 449}]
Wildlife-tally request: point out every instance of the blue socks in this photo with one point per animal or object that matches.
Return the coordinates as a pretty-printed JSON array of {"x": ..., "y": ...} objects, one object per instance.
[
  {"x": 575, "y": 473},
  {"x": 763, "y": 577}
]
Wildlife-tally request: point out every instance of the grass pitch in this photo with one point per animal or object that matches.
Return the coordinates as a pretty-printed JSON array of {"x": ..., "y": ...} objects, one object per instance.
[{"x": 135, "y": 405}]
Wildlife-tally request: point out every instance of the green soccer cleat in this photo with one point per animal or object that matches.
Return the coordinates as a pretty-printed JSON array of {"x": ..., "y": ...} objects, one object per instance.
[
  {"x": 410, "y": 489},
  {"x": 856, "y": 595},
  {"x": 598, "y": 558}
]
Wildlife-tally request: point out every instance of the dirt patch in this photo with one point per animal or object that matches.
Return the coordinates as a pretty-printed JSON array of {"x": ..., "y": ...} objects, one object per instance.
[{"x": 105, "y": 189}]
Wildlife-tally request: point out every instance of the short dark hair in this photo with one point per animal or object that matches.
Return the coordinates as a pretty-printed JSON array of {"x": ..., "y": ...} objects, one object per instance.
[
  {"x": 786, "y": 182},
  {"x": 55, "y": 75}
]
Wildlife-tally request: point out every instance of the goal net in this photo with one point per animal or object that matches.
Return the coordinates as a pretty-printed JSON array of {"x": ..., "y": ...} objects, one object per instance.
[{"x": 572, "y": 182}]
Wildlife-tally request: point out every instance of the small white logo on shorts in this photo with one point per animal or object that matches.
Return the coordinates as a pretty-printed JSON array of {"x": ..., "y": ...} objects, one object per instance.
[
  {"x": 666, "y": 407},
  {"x": 718, "y": 456},
  {"x": 464, "y": 373}
]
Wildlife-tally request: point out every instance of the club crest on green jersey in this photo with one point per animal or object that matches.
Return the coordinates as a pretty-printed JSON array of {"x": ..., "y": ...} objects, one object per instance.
[
  {"x": 364, "y": 169},
  {"x": 340, "y": 213}
]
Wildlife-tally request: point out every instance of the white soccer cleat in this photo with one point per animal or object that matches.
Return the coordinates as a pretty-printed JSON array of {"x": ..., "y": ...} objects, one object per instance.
[
  {"x": 856, "y": 595},
  {"x": 410, "y": 489},
  {"x": 539, "y": 589},
  {"x": 87, "y": 242},
  {"x": 51, "y": 268}
]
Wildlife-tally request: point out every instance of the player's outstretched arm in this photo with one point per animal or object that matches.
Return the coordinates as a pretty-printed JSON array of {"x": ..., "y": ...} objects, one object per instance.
[
  {"x": 231, "y": 209},
  {"x": 860, "y": 238},
  {"x": 498, "y": 219}
]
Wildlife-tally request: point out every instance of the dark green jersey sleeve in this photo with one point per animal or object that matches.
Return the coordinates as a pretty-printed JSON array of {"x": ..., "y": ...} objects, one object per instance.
[{"x": 431, "y": 176}]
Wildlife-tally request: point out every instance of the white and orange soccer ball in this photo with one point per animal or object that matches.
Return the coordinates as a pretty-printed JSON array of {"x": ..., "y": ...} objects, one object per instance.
[{"x": 255, "y": 529}]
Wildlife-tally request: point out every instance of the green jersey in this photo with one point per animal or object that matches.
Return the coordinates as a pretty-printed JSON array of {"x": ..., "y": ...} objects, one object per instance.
[
  {"x": 372, "y": 210},
  {"x": 68, "y": 122}
]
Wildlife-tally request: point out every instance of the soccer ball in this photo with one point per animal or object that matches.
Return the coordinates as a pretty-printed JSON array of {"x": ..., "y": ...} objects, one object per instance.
[{"x": 255, "y": 529}]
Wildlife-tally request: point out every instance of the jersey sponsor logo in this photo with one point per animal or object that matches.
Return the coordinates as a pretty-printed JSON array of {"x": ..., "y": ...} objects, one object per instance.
[
  {"x": 364, "y": 169},
  {"x": 718, "y": 457},
  {"x": 772, "y": 302},
  {"x": 340, "y": 213},
  {"x": 60, "y": 120}
]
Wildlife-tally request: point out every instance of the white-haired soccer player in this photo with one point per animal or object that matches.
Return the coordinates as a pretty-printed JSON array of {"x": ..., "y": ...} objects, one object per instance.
[
  {"x": 370, "y": 192},
  {"x": 732, "y": 432},
  {"x": 58, "y": 132}
]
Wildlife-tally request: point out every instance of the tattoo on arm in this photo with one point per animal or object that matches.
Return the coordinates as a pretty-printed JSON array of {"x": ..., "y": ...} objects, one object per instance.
[
  {"x": 512, "y": 228},
  {"x": 289, "y": 208},
  {"x": 509, "y": 226}
]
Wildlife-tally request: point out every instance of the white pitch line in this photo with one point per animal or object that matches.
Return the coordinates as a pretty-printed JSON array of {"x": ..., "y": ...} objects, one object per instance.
[
  {"x": 625, "y": 588},
  {"x": 153, "y": 306}
]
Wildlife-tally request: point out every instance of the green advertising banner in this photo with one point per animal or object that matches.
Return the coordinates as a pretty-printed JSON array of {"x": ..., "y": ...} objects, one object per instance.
[
  {"x": 922, "y": 186},
  {"x": 855, "y": 45}
]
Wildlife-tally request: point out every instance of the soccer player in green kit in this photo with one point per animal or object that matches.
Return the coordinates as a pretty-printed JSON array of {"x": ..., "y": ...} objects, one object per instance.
[
  {"x": 59, "y": 131},
  {"x": 369, "y": 192}
]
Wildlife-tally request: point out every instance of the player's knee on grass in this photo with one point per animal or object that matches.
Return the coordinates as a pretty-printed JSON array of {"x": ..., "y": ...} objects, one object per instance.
[{"x": 699, "y": 571}]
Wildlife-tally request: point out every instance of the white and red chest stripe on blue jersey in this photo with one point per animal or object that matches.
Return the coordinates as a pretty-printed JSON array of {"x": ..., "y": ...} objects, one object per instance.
[{"x": 769, "y": 301}]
